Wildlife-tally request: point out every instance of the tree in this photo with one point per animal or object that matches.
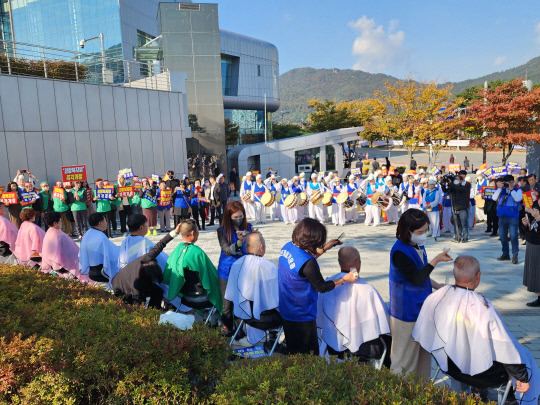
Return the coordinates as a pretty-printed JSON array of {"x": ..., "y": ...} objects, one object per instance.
[
  {"x": 509, "y": 115},
  {"x": 232, "y": 133},
  {"x": 282, "y": 131},
  {"x": 473, "y": 93},
  {"x": 328, "y": 115},
  {"x": 411, "y": 109},
  {"x": 367, "y": 113}
]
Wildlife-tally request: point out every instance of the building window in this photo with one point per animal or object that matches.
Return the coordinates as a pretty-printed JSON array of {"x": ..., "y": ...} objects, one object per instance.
[
  {"x": 142, "y": 39},
  {"x": 258, "y": 70},
  {"x": 226, "y": 74},
  {"x": 330, "y": 158},
  {"x": 307, "y": 161}
]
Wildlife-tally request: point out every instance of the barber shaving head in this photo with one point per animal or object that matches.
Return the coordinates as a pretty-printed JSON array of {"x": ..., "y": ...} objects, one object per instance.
[
  {"x": 349, "y": 258},
  {"x": 467, "y": 272},
  {"x": 255, "y": 244}
]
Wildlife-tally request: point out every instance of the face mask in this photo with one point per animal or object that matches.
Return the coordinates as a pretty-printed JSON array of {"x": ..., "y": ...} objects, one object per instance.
[
  {"x": 419, "y": 240},
  {"x": 463, "y": 183},
  {"x": 206, "y": 183},
  {"x": 456, "y": 182},
  {"x": 238, "y": 221}
]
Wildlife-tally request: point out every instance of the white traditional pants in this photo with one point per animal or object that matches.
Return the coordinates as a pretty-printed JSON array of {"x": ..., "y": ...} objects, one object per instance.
[
  {"x": 480, "y": 215},
  {"x": 286, "y": 214},
  {"x": 434, "y": 223},
  {"x": 316, "y": 212},
  {"x": 260, "y": 212},
  {"x": 404, "y": 208},
  {"x": 338, "y": 214},
  {"x": 275, "y": 211},
  {"x": 352, "y": 213},
  {"x": 300, "y": 213},
  {"x": 373, "y": 213},
  {"x": 392, "y": 215},
  {"x": 250, "y": 209},
  {"x": 472, "y": 213}
]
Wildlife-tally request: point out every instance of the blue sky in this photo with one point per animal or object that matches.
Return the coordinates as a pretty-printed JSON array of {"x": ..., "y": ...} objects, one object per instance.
[{"x": 450, "y": 40}]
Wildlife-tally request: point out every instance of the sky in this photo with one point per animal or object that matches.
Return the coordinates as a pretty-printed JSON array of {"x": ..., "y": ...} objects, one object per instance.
[{"x": 425, "y": 39}]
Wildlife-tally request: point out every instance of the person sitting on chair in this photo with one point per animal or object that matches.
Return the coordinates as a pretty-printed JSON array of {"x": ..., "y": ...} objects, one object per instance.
[
  {"x": 352, "y": 319},
  {"x": 60, "y": 253},
  {"x": 186, "y": 259},
  {"x": 253, "y": 289},
  {"x": 98, "y": 256},
  {"x": 29, "y": 239},
  {"x": 8, "y": 233},
  {"x": 137, "y": 280},
  {"x": 469, "y": 339}
]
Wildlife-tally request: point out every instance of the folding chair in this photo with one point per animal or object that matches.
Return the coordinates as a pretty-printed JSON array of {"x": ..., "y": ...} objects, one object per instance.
[
  {"x": 377, "y": 363},
  {"x": 194, "y": 295},
  {"x": 246, "y": 322},
  {"x": 34, "y": 262}
]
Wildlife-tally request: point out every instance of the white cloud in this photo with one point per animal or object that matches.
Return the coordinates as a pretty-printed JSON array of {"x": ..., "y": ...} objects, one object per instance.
[
  {"x": 376, "y": 48},
  {"x": 500, "y": 60}
]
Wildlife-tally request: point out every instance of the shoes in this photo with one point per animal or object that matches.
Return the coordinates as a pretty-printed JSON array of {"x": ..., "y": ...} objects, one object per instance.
[
  {"x": 226, "y": 331},
  {"x": 493, "y": 234},
  {"x": 514, "y": 259},
  {"x": 487, "y": 231},
  {"x": 535, "y": 303},
  {"x": 464, "y": 240},
  {"x": 210, "y": 224},
  {"x": 524, "y": 242},
  {"x": 435, "y": 238},
  {"x": 503, "y": 257},
  {"x": 148, "y": 233},
  {"x": 456, "y": 240}
]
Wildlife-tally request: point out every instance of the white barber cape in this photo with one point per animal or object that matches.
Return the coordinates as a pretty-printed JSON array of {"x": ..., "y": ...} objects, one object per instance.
[
  {"x": 464, "y": 326},
  {"x": 97, "y": 249},
  {"x": 350, "y": 315},
  {"x": 252, "y": 278}
]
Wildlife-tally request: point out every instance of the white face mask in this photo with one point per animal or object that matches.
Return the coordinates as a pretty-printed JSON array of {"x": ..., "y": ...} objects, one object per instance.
[
  {"x": 456, "y": 182},
  {"x": 419, "y": 240}
]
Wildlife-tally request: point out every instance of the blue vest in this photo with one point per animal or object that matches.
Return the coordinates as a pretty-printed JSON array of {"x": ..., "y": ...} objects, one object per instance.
[
  {"x": 406, "y": 300},
  {"x": 296, "y": 189},
  {"x": 315, "y": 186},
  {"x": 351, "y": 189},
  {"x": 272, "y": 187},
  {"x": 369, "y": 192},
  {"x": 510, "y": 209},
  {"x": 430, "y": 197},
  {"x": 257, "y": 190},
  {"x": 447, "y": 202},
  {"x": 226, "y": 262},
  {"x": 180, "y": 199},
  {"x": 284, "y": 195},
  {"x": 297, "y": 297}
]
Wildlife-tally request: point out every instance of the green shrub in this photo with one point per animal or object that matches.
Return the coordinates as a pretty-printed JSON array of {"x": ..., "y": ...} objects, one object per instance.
[
  {"x": 64, "y": 342},
  {"x": 400, "y": 169},
  {"x": 313, "y": 380},
  {"x": 56, "y": 69}
]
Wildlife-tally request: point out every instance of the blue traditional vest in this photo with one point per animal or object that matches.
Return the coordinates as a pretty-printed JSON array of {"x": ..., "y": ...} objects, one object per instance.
[
  {"x": 369, "y": 193},
  {"x": 225, "y": 261},
  {"x": 447, "y": 202},
  {"x": 335, "y": 192},
  {"x": 406, "y": 300},
  {"x": 297, "y": 297},
  {"x": 351, "y": 189},
  {"x": 508, "y": 208},
  {"x": 258, "y": 192},
  {"x": 430, "y": 197},
  {"x": 285, "y": 191},
  {"x": 247, "y": 186}
]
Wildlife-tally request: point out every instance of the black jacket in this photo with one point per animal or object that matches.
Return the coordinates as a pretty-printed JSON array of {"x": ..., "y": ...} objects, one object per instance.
[
  {"x": 224, "y": 193},
  {"x": 459, "y": 195}
]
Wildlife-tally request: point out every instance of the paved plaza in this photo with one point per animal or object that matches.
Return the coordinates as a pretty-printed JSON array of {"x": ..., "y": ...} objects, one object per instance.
[{"x": 501, "y": 281}]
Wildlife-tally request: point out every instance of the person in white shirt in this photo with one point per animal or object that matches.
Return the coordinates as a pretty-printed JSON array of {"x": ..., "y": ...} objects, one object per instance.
[
  {"x": 257, "y": 191},
  {"x": 373, "y": 212},
  {"x": 352, "y": 212},
  {"x": 392, "y": 214},
  {"x": 430, "y": 203},
  {"x": 274, "y": 187},
  {"x": 246, "y": 186},
  {"x": 315, "y": 210}
]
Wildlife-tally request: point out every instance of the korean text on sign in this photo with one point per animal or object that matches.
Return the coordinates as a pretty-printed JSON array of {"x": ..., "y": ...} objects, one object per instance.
[
  {"x": 454, "y": 167},
  {"x": 127, "y": 172},
  {"x": 126, "y": 191},
  {"x": 104, "y": 193},
  {"x": 58, "y": 192},
  {"x": 528, "y": 199},
  {"x": 488, "y": 192},
  {"x": 74, "y": 173},
  {"x": 9, "y": 198},
  {"x": 165, "y": 198}
]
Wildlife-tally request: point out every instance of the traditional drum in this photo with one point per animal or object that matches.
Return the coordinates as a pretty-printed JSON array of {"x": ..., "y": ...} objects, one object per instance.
[
  {"x": 303, "y": 199},
  {"x": 268, "y": 199},
  {"x": 361, "y": 201},
  {"x": 247, "y": 197},
  {"x": 480, "y": 202},
  {"x": 355, "y": 195},
  {"x": 327, "y": 199},
  {"x": 316, "y": 197},
  {"x": 348, "y": 204},
  {"x": 342, "y": 197},
  {"x": 291, "y": 201},
  {"x": 379, "y": 200},
  {"x": 396, "y": 200},
  {"x": 403, "y": 200}
]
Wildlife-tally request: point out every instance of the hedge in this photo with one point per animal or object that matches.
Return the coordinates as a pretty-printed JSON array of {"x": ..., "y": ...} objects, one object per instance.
[
  {"x": 56, "y": 69},
  {"x": 67, "y": 343}
]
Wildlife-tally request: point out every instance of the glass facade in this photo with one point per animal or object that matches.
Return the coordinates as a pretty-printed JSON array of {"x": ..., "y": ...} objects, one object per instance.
[
  {"x": 330, "y": 158},
  {"x": 250, "y": 125},
  {"x": 303, "y": 159}
]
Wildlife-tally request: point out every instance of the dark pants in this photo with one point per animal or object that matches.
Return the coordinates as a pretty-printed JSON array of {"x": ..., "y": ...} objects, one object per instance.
[
  {"x": 461, "y": 224},
  {"x": 509, "y": 225},
  {"x": 198, "y": 213},
  {"x": 96, "y": 274},
  {"x": 492, "y": 221},
  {"x": 112, "y": 217},
  {"x": 215, "y": 212},
  {"x": 227, "y": 317},
  {"x": 81, "y": 222},
  {"x": 368, "y": 351},
  {"x": 124, "y": 213},
  {"x": 301, "y": 337}
]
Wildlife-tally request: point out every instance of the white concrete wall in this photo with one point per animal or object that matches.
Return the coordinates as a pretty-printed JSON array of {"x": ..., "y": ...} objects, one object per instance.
[{"x": 46, "y": 124}]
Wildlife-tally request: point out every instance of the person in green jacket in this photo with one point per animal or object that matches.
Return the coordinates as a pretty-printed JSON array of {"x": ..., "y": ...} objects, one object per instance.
[
  {"x": 149, "y": 205},
  {"x": 46, "y": 197},
  {"x": 78, "y": 208},
  {"x": 191, "y": 257},
  {"x": 61, "y": 205},
  {"x": 103, "y": 205},
  {"x": 136, "y": 199}
]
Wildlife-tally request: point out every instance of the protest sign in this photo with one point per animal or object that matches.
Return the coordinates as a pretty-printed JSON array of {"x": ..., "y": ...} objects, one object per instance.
[
  {"x": 499, "y": 171},
  {"x": 74, "y": 173},
  {"x": 488, "y": 192},
  {"x": 434, "y": 171},
  {"x": 28, "y": 196},
  {"x": 126, "y": 191},
  {"x": 10, "y": 197},
  {"x": 127, "y": 172},
  {"x": 165, "y": 198},
  {"x": 454, "y": 167},
  {"x": 252, "y": 352},
  {"x": 155, "y": 178},
  {"x": 58, "y": 192},
  {"x": 255, "y": 172},
  {"x": 149, "y": 197},
  {"x": 356, "y": 171},
  {"x": 2, "y": 190},
  {"x": 137, "y": 186},
  {"x": 104, "y": 193},
  {"x": 528, "y": 199},
  {"x": 89, "y": 195}
]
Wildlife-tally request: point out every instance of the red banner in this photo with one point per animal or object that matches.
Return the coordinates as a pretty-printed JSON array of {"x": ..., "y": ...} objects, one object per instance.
[
  {"x": 89, "y": 195},
  {"x": 137, "y": 186},
  {"x": 74, "y": 173},
  {"x": 165, "y": 198},
  {"x": 9, "y": 198},
  {"x": 126, "y": 191},
  {"x": 58, "y": 192},
  {"x": 528, "y": 199},
  {"x": 454, "y": 167}
]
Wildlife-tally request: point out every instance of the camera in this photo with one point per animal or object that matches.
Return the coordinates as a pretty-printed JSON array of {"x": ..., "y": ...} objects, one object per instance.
[
  {"x": 506, "y": 184},
  {"x": 448, "y": 178}
]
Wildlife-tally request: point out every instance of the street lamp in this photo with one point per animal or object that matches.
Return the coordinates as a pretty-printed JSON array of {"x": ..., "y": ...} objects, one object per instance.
[{"x": 103, "y": 65}]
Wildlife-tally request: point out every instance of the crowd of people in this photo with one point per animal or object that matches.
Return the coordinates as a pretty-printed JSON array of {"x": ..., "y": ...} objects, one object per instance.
[{"x": 342, "y": 315}]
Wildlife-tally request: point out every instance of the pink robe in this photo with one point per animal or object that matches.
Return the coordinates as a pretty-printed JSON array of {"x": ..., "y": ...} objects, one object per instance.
[
  {"x": 59, "y": 251},
  {"x": 29, "y": 241},
  {"x": 8, "y": 232}
]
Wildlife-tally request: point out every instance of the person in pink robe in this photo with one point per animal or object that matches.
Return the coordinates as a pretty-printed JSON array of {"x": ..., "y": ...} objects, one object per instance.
[
  {"x": 60, "y": 253},
  {"x": 8, "y": 231},
  {"x": 30, "y": 237}
]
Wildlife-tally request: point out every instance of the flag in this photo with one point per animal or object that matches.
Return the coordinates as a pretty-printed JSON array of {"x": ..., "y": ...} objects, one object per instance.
[{"x": 483, "y": 167}]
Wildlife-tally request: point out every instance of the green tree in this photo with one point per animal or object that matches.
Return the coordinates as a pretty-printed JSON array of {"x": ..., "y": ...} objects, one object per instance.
[
  {"x": 282, "y": 131},
  {"x": 473, "y": 93},
  {"x": 232, "y": 133},
  {"x": 330, "y": 115}
]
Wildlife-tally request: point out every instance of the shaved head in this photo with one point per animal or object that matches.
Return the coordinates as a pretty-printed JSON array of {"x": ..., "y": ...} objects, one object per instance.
[
  {"x": 254, "y": 243},
  {"x": 466, "y": 270},
  {"x": 348, "y": 256},
  {"x": 187, "y": 227}
]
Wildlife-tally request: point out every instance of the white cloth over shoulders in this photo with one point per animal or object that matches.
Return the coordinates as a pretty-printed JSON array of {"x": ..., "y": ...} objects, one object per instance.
[
  {"x": 253, "y": 279},
  {"x": 97, "y": 249},
  {"x": 350, "y": 315},
  {"x": 464, "y": 326}
]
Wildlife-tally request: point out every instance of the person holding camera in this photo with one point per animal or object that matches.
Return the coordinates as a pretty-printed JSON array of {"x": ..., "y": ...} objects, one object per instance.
[
  {"x": 459, "y": 191},
  {"x": 508, "y": 199}
]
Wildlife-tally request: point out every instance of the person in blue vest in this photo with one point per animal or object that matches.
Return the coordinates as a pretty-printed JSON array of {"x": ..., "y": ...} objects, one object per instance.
[
  {"x": 300, "y": 281},
  {"x": 410, "y": 285},
  {"x": 231, "y": 236},
  {"x": 373, "y": 212},
  {"x": 508, "y": 201},
  {"x": 286, "y": 213},
  {"x": 430, "y": 203},
  {"x": 274, "y": 187},
  {"x": 258, "y": 191}
]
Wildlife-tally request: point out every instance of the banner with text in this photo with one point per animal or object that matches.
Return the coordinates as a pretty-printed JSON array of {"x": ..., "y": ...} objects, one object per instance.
[
  {"x": 104, "y": 193},
  {"x": 58, "y": 192},
  {"x": 528, "y": 199},
  {"x": 10, "y": 197},
  {"x": 165, "y": 198},
  {"x": 454, "y": 167},
  {"x": 74, "y": 173},
  {"x": 127, "y": 172},
  {"x": 488, "y": 192},
  {"x": 126, "y": 191}
]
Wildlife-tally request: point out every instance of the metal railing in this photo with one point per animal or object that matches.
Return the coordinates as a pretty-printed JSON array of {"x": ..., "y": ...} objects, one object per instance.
[{"x": 17, "y": 58}]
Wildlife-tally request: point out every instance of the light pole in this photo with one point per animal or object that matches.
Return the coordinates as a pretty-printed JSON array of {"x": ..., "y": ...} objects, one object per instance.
[{"x": 103, "y": 65}]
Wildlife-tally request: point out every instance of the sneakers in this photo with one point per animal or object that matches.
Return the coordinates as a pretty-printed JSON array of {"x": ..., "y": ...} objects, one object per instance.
[
  {"x": 535, "y": 303},
  {"x": 503, "y": 257},
  {"x": 148, "y": 233},
  {"x": 154, "y": 233},
  {"x": 464, "y": 240},
  {"x": 514, "y": 259},
  {"x": 493, "y": 234}
]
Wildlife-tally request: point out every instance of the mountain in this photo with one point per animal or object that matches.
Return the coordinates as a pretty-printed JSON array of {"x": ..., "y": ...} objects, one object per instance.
[{"x": 301, "y": 84}]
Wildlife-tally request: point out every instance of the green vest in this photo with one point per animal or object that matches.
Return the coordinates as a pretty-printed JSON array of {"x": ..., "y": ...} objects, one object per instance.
[
  {"x": 79, "y": 205},
  {"x": 59, "y": 205},
  {"x": 102, "y": 205}
]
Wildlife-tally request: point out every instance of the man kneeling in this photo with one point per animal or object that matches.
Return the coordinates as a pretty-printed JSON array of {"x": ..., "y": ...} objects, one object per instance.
[
  {"x": 469, "y": 339},
  {"x": 352, "y": 318}
]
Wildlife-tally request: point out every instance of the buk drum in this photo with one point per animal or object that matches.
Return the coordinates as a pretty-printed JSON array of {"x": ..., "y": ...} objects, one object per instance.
[
  {"x": 342, "y": 197},
  {"x": 302, "y": 199},
  {"x": 396, "y": 200},
  {"x": 327, "y": 199},
  {"x": 316, "y": 197},
  {"x": 361, "y": 201},
  {"x": 378, "y": 200},
  {"x": 247, "y": 197},
  {"x": 349, "y": 204},
  {"x": 480, "y": 202},
  {"x": 268, "y": 199},
  {"x": 291, "y": 201}
]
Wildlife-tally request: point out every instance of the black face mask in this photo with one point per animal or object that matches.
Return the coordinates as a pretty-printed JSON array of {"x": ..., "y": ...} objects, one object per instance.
[{"x": 237, "y": 222}]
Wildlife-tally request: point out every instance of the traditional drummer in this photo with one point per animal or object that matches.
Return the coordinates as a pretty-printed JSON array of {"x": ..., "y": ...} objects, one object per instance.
[
  {"x": 258, "y": 190},
  {"x": 274, "y": 188},
  {"x": 338, "y": 201},
  {"x": 373, "y": 211},
  {"x": 245, "y": 195},
  {"x": 391, "y": 192},
  {"x": 315, "y": 190},
  {"x": 352, "y": 210},
  {"x": 297, "y": 189},
  {"x": 286, "y": 192}
]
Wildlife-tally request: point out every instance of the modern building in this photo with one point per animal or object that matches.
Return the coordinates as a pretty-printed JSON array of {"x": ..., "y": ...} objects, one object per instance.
[{"x": 231, "y": 76}]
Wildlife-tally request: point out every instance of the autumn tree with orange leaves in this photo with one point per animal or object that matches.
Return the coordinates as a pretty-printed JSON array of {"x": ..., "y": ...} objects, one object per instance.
[{"x": 509, "y": 113}]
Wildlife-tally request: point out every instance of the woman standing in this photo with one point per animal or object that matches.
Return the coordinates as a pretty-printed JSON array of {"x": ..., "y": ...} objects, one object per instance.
[
  {"x": 197, "y": 206},
  {"x": 78, "y": 208},
  {"x": 531, "y": 271},
  {"x": 123, "y": 204},
  {"x": 231, "y": 235},
  {"x": 149, "y": 205},
  {"x": 300, "y": 281},
  {"x": 181, "y": 203},
  {"x": 15, "y": 209},
  {"x": 410, "y": 284},
  {"x": 164, "y": 208}
]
